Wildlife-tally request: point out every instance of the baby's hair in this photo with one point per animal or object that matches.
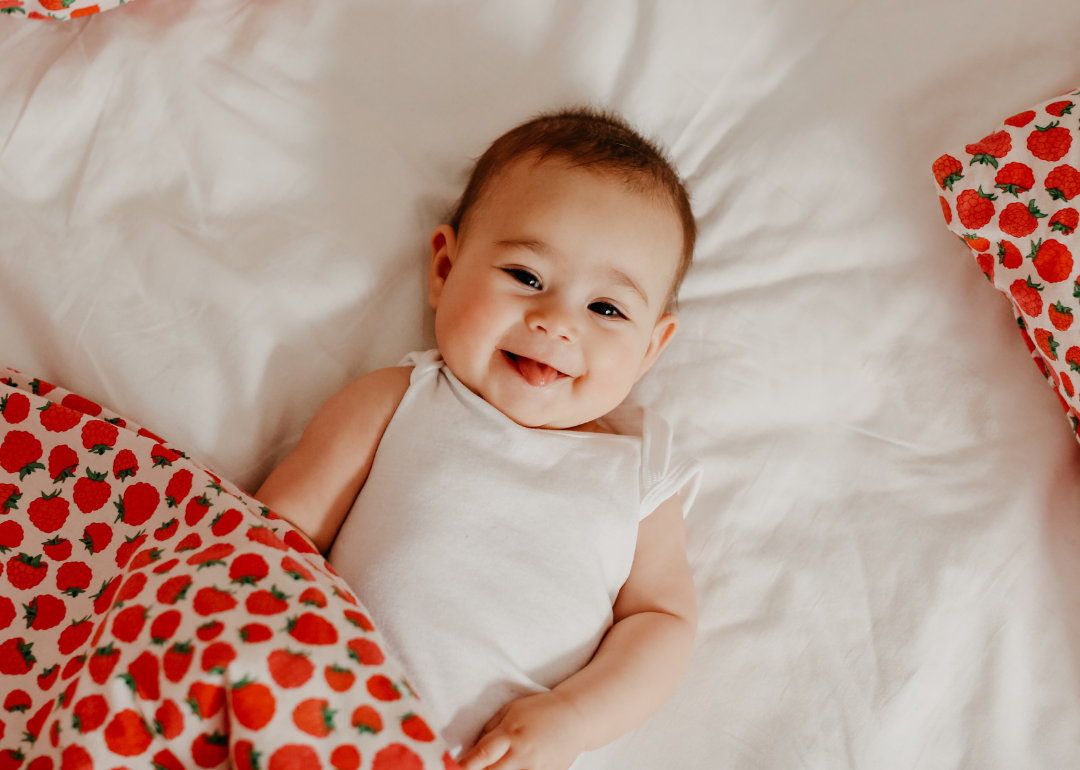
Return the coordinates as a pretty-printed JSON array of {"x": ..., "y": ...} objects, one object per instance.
[{"x": 587, "y": 137}]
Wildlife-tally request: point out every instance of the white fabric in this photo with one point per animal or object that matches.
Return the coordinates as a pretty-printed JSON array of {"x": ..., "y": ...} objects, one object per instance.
[
  {"x": 490, "y": 554},
  {"x": 216, "y": 213}
]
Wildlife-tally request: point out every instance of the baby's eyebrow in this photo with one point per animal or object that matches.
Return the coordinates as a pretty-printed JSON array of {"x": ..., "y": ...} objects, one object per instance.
[{"x": 539, "y": 247}]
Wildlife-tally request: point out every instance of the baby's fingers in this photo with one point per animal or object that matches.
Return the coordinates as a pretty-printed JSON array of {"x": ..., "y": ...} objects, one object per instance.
[{"x": 487, "y": 751}]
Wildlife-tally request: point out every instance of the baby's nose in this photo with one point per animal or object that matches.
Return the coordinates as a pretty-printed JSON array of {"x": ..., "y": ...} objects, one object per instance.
[{"x": 553, "y": 318}]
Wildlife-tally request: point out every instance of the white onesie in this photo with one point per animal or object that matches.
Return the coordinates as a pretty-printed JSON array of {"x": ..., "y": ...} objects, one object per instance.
[{"x": 490, "y": 554}]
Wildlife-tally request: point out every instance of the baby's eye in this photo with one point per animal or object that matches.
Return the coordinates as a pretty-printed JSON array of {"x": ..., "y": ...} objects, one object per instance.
[
  {"x": 606, "y": 309},
  {"x": 524, "y": 276}
]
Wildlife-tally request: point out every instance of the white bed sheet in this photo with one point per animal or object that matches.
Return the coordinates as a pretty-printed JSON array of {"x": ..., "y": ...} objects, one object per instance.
[{"x": 215, "y": 214}]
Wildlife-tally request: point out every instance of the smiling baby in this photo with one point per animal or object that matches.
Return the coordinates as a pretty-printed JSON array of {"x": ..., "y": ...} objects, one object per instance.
[{"x": 516, "y": 530}]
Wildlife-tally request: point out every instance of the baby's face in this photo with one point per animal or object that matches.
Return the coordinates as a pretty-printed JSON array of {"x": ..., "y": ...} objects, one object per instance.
[{"x": 550, "y": 305}]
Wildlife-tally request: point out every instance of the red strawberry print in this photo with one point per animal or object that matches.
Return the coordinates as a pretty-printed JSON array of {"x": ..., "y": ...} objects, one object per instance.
[
  {"x": 189, "y": 543},
  {"x": 47, "y": 678},
  {"x": 210, "y": 630},
  {"x": 76, "y": 758},
  {"x": 1045, "y": 341},
  {"x": 36, "y": 722},
  {"x": 253, "y": 704},
  {"x": 41, "y": 387},
  {"x": 11, "y": 535},
  {"x": 1049, "y": 142},
  {"x": 367, "y": 720},
  {"x": 103, "y": 598},
  {"x": 145, "y": 558},
  {"x": 416, "y": 728},
  {"x": 73, "y": 666},
  {"x": 345, "y": 757},
  {"x": 167, "y": 529},
  {"x": 126, "y": 465},
  {"x": 266, "y": 536},
  {"x": 397, "y": 756},
  {"x": 1019, "y": 220},
  {"x": 89, "y": 713},
  {"x": 127, "y": 734},
  {"x": 49, "y": 512},
  {"x": 162, "y": 456},
  {"x": 177, "y": 660},
  {"x": 339, "y": 679},
  {"x": 7, "y": 612},
  {"x": 297, "y": 542},
  {"x": 313, "y": 597},
  {"x": 91, "y": 492},
  {"x": 975, "y": 243},
  {"x": 24, "y": 571},
  {"x": 1067, "y": 384},
  {"x": 248, "y": 569},
  {"x": 9, "y": 498},
  {"x": 131, "y": 587},
  {"x": 1015, "y": 178},
  {"x": 179, "y": 487},
  {"x": 16, "y": 656},
  {"x": 17, "y": 700},
  {"x": 128, "y": 548},
  {"x": 137, "y": 504},
  {"x": 99, "y": 436},
  {"x": 310, "y": 628},
  {"x": 148, "y": 434},
  {"x": 73, "y": 578},
  {"x": 80, "y": 404},
  {"x": 210, "y": 749},
  {"x": 1063, "y": 183},
  {"x": 10, "y": 759},
  {"x": 294, "y": 756},
  {"x": 947, "y": 171},
  {"x": 1053, "y": 261},
  {"x": 211, "y": 599},
  {"x": 164, "y": 626},
  {"x": 96, "y": 537},
  {"x": 295, "y": 569},
  {"x": 366, "y": 652},
  {"x": 217, "y": 657},
  {"x": 44, "y": 612},
  {"x": 166, "y": 760},
  {"x": 129, "y": 622},
  {"x": 62, "y": 463},
  {"x": 1060, "y": 316},
  {"x": 20, "y": 452},
  {"x": 314, "y": 717},
  {"x": 991, "y": 148},
  {"x": 381, "y": 688},
  {"x": 174, "y": 589},
  {"x": 267, "y": 602},
  {"x": 15, "y": 407},
  {"x": 165, "y": 566},
  {"x": 946, "y": 211},
  {"x": 253, "y": 633},
  {"x": 142, "y": 676},
  {"x": 226, "y": 522},
  {"x": 1064, "y": 222},
  {"x": 1057, "y": 109},
  {"x": 211, "y": 556},
  {"x": 57, "y": 548},
  {"x": 289, "y": 669},
  {"x": 75, "y": 635},
  {"x": 205, "y": 699},
  {"x": 168, "y": 720},
  {"x": 58, "y": 418},
  {"x": 196, "y": 509},
  {"x": 245, "y": 756}
]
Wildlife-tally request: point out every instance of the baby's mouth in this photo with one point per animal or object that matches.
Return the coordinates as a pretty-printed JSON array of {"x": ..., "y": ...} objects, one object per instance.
[{"x": 536, "y": 373}]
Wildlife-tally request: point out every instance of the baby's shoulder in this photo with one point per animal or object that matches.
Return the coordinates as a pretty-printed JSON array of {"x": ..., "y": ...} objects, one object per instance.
[{"x": 372, "y": 396}]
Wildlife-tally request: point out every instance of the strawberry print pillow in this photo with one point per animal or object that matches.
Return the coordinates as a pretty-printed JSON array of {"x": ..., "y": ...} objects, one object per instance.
[
  {"x": 153, "y": 615},
  {"x": 1012, "y": 198},
  {"x": 58, "y": 10}
]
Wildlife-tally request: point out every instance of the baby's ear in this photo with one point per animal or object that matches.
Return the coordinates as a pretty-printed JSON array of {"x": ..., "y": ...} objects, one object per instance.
[
  {"x": 443, "y": 255},
  {"x": 662, "y": 334}
]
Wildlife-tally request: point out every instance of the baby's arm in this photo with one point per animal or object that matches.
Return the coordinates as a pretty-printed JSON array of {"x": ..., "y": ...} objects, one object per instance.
[
  {"x": 315, "y": 486},
  {"x": 635, "y": 668}
]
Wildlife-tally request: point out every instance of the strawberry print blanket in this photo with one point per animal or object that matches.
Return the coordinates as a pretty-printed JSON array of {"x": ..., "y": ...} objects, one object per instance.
[{"x": 153, "y": 615}]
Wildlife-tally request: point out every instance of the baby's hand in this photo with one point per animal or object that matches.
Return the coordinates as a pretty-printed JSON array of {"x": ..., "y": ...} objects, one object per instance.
[{"x": 537, "y": 732}]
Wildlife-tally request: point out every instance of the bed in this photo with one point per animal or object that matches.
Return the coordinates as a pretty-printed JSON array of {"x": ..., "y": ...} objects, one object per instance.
[{"x": 215, "y": 215}]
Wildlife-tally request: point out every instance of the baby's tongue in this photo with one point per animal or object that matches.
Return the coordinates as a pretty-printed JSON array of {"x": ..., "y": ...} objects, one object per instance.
[{"x": 536, "y": 373}]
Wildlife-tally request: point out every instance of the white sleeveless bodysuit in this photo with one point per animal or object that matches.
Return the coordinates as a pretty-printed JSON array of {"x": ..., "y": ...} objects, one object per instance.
[{"x": 490, "y": 554}]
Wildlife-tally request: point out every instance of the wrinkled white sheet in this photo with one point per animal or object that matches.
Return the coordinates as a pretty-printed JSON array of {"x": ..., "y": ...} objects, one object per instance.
[{"x": 215, "y": 214}]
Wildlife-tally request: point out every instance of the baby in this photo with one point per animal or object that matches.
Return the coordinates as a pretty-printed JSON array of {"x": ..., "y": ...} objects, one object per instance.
[{"x": 515, "y": 531}]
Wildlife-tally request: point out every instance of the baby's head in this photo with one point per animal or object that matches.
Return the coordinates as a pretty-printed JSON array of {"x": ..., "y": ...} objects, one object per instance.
[{"x": 553, "y": 283}]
